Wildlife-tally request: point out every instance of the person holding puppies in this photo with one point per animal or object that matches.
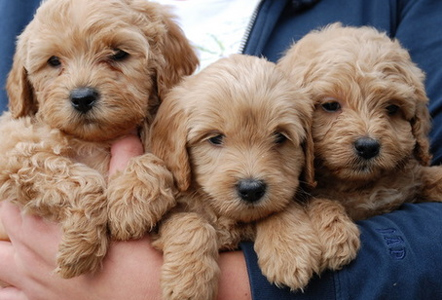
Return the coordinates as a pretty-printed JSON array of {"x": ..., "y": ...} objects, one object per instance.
[{"x": 399, "y": 254}]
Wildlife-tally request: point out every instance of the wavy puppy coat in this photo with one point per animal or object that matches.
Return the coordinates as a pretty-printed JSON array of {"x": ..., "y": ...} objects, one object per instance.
[
  {"x": 371, "y": 120},
  {"x": 236, "y": 138},
  {"x": 85, "y": 73}
]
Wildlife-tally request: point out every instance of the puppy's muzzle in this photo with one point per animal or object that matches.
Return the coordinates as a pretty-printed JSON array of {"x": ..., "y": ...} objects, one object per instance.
[
  {"x": 84, "y": 99},
  {"x": 366, "y": 147},
  {"x": 251, "y": 190}
]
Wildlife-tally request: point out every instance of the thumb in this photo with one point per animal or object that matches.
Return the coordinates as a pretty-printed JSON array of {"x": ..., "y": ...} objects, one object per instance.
[{"x": 122, "y": 151}]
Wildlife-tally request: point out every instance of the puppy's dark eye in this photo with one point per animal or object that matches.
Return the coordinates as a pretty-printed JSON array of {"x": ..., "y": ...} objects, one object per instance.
[
  {"x": 332, "y": 106},
  {"x": 217, "y": 140},
  {"x": 54, "y": 61},
  {"x": 392, "y": 109},
  {"x": 280, "y": 138},
  {"x": 119, "y": 55}
]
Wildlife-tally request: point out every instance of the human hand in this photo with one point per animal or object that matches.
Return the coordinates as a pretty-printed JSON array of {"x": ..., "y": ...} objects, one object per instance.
[{"x": 28, "y": 261}]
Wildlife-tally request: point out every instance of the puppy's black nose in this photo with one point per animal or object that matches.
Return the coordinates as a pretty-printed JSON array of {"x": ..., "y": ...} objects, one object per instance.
[
  {"x": 83, "y": 99},
  {"x": 367, "y": 147},
  {"x": 251, "y": 190}
]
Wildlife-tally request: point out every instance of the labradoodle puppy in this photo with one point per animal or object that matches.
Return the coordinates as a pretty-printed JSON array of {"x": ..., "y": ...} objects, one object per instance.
[
  {"x": 236, "y": 138},
  {"x": 371, "y": 120},
  {"x": 85, "y": 73}
]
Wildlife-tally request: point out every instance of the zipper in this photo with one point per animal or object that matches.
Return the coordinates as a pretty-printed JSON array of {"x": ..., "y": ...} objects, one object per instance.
[{"x": 249, "y": 27}]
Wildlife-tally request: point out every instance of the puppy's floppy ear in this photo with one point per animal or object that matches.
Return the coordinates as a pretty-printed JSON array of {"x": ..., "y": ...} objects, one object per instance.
[
  {"x": 22, "y": 101},
  {"x": 172, "y": 53},
  {"x": 169, "y": 139},
  {"x": 421, "y": 124},
  {"x": 421, "y": 121},
  {"x": 179, "y": 57}
]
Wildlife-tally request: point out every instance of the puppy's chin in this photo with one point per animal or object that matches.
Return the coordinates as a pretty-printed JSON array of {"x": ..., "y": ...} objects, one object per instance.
[
  {"x": 95, "y": 132},
  {"x": 93, "y": 128},
  {"x": 360, "y": 170},
  {"x": 246, "y": 212}
]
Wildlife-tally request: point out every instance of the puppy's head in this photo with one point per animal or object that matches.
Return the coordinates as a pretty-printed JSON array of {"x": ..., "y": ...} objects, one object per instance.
[
  {"x": 96, "y": 69},
  {"x": 371, "y": 111},
  {"x": 239, "y": 132}
]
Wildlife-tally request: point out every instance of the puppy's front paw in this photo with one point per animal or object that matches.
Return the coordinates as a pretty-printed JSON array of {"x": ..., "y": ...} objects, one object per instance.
[
  {"x": 139, "y": 196},
  {"x": 190, "y": 249},
  {"x": 84, "y": 243},
  {"x": 288, "y": 250},
  {"x": 340, "y": 249},
  {"x": 292, "y": 267},
  {"x": 73, "y": 262},
  {"x": 179, "y": 285},
  {"x": 338, "y": 234}
]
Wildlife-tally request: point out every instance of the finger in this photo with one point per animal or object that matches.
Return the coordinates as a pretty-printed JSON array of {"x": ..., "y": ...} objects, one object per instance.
[
  {"x": 122, "y": 151},
  {"x": 8, "y": 275},
  {"x": 11, "y": 293},
  {"x": 9, "y": 216},
  {"x": 30, "y": 234}
]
